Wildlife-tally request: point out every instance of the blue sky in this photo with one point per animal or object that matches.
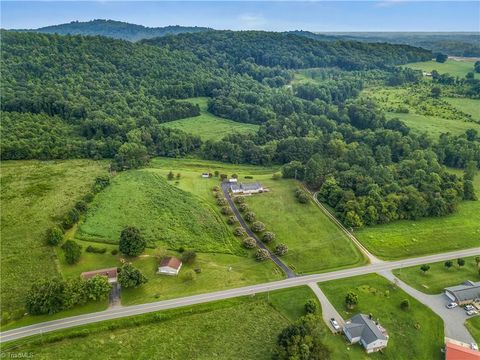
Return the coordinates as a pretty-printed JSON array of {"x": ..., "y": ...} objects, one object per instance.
[{"x": 383, "y": 15}]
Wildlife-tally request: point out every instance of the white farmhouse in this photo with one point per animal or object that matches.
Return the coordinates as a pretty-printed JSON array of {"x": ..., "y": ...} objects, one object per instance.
[
  {"x": 361, "y": 328},
  {"x": 169, "y": 266},
  {"x": 246, "y": 188}
]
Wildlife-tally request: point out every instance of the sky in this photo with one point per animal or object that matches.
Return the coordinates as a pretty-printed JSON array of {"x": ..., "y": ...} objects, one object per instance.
[{"x": 318, "y": 16}]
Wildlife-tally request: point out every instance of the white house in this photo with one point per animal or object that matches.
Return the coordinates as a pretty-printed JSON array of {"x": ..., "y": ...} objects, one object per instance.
[
  {"x": 169, "y": 266},
  {"x": 361, "y": 328},
  {"x": 205, "y": 175},
  {"x": 246, "y": 188},
  {"x": 232, "y": 181}
]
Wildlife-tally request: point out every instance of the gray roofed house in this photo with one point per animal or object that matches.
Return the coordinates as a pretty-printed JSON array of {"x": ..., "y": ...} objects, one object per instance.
[
  {"x": 466, "y": 293},
  {"x": 361, "y": 328},
  {"x": 251, "y": 188}
]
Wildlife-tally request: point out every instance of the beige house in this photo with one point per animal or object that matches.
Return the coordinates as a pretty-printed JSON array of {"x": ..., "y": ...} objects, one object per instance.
[{"x": 169, "y": 266}]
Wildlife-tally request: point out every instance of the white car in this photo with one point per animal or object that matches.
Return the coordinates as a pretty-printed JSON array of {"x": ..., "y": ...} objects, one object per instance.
[
  {"x": 469, "y": 307},
  {"x": 474, "y": 346},
  {"x": 472, "y": 312},
  {"x": 452, "y": 305},
  {"x": 334, "y": 324}
]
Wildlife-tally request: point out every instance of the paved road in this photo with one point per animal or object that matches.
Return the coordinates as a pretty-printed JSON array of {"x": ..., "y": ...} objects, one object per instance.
[
  {"x": 372, "y": 258},
  {"x": 116, "y": 313},
  {"x": 276, "y": 260},
  {"x": 328, "y": 310},
  {"x": 453, "y": 319}
]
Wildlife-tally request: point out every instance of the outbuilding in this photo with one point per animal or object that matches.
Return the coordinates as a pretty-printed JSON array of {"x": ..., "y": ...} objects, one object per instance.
[
  {"x": 465, "y": 293},
  {"x": 170, "y": 266},
  {"x": 110, "y": 273}
]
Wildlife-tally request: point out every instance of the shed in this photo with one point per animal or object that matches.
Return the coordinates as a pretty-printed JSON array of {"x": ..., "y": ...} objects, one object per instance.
[
  {"x": 110, "y": 273},
  {"x": 170, "y": 266}
]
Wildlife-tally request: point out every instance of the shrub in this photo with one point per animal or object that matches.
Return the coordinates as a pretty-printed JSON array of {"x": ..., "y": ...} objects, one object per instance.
[
  {"x": 70, "y": 219},
  {"x": 223, "y": 177},
  {"x": 234, "y": 176},
  {"x": 281, "y": 249},
  {"x": 88, "y": 197},
  {"x": 311, "y": 306},
  {"x": 81, "y": 206},
  {"x": 248, "y": 177},
  {"x": 249, "y": 243},
  {"x": 131, "y": 242},
  {"x": 226, "y": 210},
  {"x": 96, "y": 250},
  {"x": 101, "y": 182},
  {"x": 130, "y": 276},
  {"x": 72, "y": 252},
  {"x": 222, "y": 201},
  {"x": 189, "y": 256},
  {"x": 239, "y": 200},
  {"x": 232, "y": 220},
  {"x": 301, "y": 196},
  {"x": 351, "y": 299},
  {"x": 268, "y": 237},
  {"x": 98, "y": 288},
  {"x": 243, "y": 207},
  {"x": 45, "y": 297},
  {"x": 219, "y": 195},
  {"x": 261, "y": 255},
  {"x": 239, "y": 231},
  {"x": 181, "y": 249},
  {"x": 216, "y": 173},
  {"x": 276, "y": 176},
  {"x": 189, "y": 275},
  {"x": 216, "y": 188},
  {"x": 114, "y": 252},
  {"x": 250, "y": 216},
  {"x": 405, "y": 304},
  {"x": 258, "y": 226},
  {"x": 54, "y": 236}
]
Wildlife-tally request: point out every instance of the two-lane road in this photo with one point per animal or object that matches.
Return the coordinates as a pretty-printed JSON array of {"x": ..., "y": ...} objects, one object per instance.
[{"x": 116, "y": 313}]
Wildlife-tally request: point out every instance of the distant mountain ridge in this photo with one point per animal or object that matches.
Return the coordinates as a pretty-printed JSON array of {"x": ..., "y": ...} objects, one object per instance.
[{"x": 116, "y": 29}]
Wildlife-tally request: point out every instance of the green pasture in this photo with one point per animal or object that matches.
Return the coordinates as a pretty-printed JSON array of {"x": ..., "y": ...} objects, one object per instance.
[{"x": 452, "y": 67}]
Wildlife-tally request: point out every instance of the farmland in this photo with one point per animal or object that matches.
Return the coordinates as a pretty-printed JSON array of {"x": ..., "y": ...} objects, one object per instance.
[
  {"x": 405, "y": 238},
  {"x": 35, "y": 195},
  {"x": 315, "y": 244},
  {"x": 452, "y": 67},
  {"x": 439, "y": 277},
  {"x": 209, "y": 126},
  {"x": 416, "y": 333}
]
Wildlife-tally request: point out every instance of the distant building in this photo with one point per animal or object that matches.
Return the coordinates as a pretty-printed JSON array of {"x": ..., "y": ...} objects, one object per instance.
[
  {"x": 169, "y": 266},
  {"x": 463, "y": 294},
  {"x": 455, "y": 350},
  {"x": 246, "y": 188},
  {"x": 427, "y": 73},
  {"x": 361, "y": 328},
  {"x": 232, "y": 181},
  {"x": 110, "y": 273},
  {"x": 205, "y": 175}
]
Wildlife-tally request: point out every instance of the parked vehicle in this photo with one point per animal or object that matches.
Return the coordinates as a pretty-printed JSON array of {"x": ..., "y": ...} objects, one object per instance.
[
  {"x": 334, "y": 324},
  {"x": 472, "y": 312},
  {"x": 469, "y": 307},
  {"x": 452, "y": 305},
  {"x": 474, "y": 346}
]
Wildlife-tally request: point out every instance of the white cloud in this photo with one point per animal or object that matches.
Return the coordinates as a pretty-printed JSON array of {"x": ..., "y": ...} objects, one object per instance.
[
  {"x": 388, "y": 3},
  {"x": 250, "y": 20}
]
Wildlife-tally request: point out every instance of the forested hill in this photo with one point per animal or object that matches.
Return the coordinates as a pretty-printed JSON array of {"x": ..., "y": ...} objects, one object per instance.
[
  {"x": 116, "y": 29},
  {"x": 290, "y": 51}
]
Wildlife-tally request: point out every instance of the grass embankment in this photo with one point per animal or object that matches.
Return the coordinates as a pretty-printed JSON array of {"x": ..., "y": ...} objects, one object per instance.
[
  {"x": 452, "y": 67},
  {"x": 314, "y": 243},
  {"x": 473, "y": 326},
  {"x": 407, "y": 238},
  {"x": 34, "y": 196},
  {"x": 240, "y": 328},
  {"x": 439, "y": 277},
  {"x": 209, "y": 126},
  {"x": 416, "y": 333}
]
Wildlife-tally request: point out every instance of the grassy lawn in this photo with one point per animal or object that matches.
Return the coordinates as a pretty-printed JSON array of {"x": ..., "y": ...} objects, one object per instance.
[
  {"x": 469, "y": 106},
  {"x": 439, "y": 277},
  {"x": 209, "y": 126},
  {"x": 241, "y": 328},
  {"x": 314, "y": 242},
  {"x": 34, "y": 195},
  {"x": 407, "y": 238},
  {"x": 416, "y": 333},
  {"x": 473, "y": 326},
  {"x": 452, "y": 67}
]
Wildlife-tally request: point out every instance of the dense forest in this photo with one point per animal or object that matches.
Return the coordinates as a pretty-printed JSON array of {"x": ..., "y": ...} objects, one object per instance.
[
  {"x": 76, "y": 96},
  {"x": 116, "y": 29}
]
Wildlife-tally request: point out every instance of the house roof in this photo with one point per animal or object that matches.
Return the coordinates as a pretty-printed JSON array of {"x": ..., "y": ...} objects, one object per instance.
[
  {"x": 469, "y": 290},
  {"x": 362, "y": 326},
  {"x": 235, "y": 187},
  {"x": 458, "y": 352},
  {"x": 111, "y": 273},
  {"x": 251, "y": 186},
  {"x": 171, "y": 261}
]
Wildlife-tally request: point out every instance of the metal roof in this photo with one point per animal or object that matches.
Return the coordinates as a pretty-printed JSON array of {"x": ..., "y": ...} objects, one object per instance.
[
  {"x": 362, "y": 326},
  {"x": 469, "y": 290}
]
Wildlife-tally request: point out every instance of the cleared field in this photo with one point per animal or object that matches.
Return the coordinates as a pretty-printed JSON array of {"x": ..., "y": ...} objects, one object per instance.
[
  {"x": 416, "y": 333},
  {"x": 34, "y": 195},
  {"x": 469, "y": 106},
  {"x": 167, "y": 216},
  {"x": 439, "y": 277},
  {"x": 452, "y": 67},
  {"x": 242, "y": 328},
  {"x": 314, "y": 242},
  {"x": 473, "y": 326},
  {"x": 406, "y": 238},
  {"x": 209, "y": 126}
]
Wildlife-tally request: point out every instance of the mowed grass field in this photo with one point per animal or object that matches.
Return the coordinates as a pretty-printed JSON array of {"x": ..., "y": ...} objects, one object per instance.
[
  {"x": 240, "y": 328},
  {"x": 416, "y": 333},
  {"x": 314, "y": 243},
  {"x": 209, "y": 126},
  {"x": 469, "y": 106},
  {"x": 34, "y": 196},
  {"x": 407, "y": 238},
  {"x": 473, "y": 326},
  {"x": 452, "y": 67},
  {"x": 439, "y": 277}
]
